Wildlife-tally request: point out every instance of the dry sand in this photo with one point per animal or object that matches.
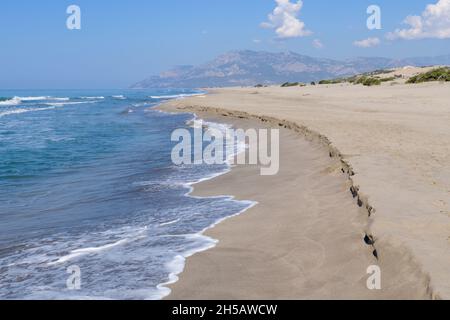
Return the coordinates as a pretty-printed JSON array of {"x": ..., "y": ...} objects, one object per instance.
[{"x": 305, "y": 237}]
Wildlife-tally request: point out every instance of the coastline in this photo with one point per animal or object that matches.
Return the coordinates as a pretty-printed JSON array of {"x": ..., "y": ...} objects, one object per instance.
[
  {"x": 402, "y": 273},
  {"x": 179, "y": 262}
]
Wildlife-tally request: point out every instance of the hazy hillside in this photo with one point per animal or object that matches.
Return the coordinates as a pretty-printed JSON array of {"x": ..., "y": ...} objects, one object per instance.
[{"x": 246, "y": 68}]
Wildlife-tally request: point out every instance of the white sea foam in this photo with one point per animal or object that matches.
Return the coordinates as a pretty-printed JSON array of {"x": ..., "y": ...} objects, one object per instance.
[
  {"x": 10, "y": 102},
  {"x": 177, "y": 265},
  {"x": 119, "y": 97},
  {"x": 61, "y": 104},
  {"x": 33, "y": 98},
  {"x": 18, "y": 100},
  {"x": 42, "y": 98},
  {"x": 225, "y": 129},
  {"x": 93, "y": 98},
  {"x": 74, "y": 254},
  {"x": 169, "y": 223},
  {"x": 18, "y": 111},
  {"x": 86, "y": 251}
]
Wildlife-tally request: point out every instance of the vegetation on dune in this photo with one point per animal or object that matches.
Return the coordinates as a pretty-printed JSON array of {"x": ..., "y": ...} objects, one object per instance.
[
  {"x": 289, "y": 84},
  {"x": 439, "y": 74},
  {"x": 368, "y": 81},
  {"x": 389, "y": 79},
  {"x": 292, "y": 84},
  {"x": 375, "y": 78},
  {"x": 332, "y": 81}
]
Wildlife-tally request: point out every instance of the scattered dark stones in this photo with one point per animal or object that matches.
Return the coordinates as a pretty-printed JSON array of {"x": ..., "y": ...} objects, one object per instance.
[
  {"x": 375, "y": 254},
  {"x": 369, "y": 240},
  {"x": 360, "y": 203}
]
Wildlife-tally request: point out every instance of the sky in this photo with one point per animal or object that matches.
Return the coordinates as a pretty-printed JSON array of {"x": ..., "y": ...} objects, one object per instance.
[{"x": 122, "y": 42}]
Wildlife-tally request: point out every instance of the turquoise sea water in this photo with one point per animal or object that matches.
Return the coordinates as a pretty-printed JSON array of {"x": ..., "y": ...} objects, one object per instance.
[{"x": 86, "y": 180}]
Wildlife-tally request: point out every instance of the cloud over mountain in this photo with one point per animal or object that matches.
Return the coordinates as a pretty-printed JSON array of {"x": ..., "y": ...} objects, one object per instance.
[{"x": 284, "y": 19}]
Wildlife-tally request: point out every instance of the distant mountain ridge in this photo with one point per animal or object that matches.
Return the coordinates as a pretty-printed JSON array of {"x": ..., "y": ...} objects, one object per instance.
[{"x": 248, "y": 68}]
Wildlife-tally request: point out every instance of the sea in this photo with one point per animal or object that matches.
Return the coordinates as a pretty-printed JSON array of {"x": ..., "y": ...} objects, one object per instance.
[{"x": 91, "y": 205}]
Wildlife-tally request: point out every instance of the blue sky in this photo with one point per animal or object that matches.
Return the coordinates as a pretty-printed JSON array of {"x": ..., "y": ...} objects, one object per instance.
[{"x": 122, "y": 42}]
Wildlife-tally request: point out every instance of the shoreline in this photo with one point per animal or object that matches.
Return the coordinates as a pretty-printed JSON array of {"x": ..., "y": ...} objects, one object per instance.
[
  {"x": 360, "y": 203},
  {"x": 164, "y": 287}
]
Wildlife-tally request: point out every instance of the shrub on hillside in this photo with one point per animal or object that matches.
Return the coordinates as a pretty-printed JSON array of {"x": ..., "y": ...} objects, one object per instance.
[
  {"x": 368, "y": 81},
  {"x": 332, "y": 81},
  {"x": 289, "y": 84},
  {"x": 439, "y": 74}
]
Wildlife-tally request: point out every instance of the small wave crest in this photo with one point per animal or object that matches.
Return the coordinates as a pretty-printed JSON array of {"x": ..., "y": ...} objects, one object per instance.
[
  {"x": 169, "y": 223},
  {"x": 233, "y": 151},
  {"x": 18, "y": 100},
  {"x": 93, "y": 98},
  {"x": 18, "y": 111},
  {"x": 74, "y": 254},
  {"x": 61, "y": 104},
  {"x": 11, "y": 102}
]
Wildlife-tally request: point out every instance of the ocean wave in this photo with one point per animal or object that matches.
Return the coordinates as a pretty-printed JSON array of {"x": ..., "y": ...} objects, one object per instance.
[
  {"x": 32, "y": 98},
  {"x": 93, "y": 98},
  {"x": 169, "y": 223},
  {"x": 10, "y": 102},
  {"x": 56, "y": 99},
  {"x": 239, "y": 146},
  {"x": 18, "y": 111},
  {"x": 18, "y": 100},
  {"x": 74, "y": 254},
  {"x": 119, "y": 97},
  {"x": 61, "y": 104}
]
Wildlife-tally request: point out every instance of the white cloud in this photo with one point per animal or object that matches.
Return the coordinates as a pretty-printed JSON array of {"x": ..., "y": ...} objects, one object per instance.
[
  {"x": 318, "y": 44},
  {"x": 433, "y": 23},
  {"x": 367, "y": 43},
  {"x": 284, "y": 19}
]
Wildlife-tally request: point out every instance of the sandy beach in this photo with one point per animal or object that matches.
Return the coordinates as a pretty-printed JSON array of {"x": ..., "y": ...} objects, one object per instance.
[{"x": 355, "y": 161}]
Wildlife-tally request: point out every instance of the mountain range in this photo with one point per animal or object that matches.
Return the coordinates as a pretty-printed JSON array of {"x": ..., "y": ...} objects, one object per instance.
[{"x": 248, "y": 68}]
